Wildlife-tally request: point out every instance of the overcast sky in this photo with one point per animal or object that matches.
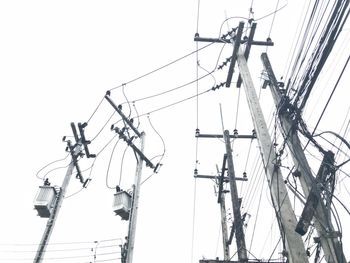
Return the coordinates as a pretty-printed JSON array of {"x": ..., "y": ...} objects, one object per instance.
[{"x": 58, "y": 59}]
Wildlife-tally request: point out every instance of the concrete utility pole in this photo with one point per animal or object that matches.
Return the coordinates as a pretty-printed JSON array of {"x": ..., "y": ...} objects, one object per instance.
[
  {"x": 329, "y": 240},
  {"x": 135, "y": 203},
  {"x": 221, "y": 201},
  {"x": 231, "y": 178},
  {"x": 137, "y": 183},
  {"x": 282, "y": 205},
  {"x": 238, "y": 225},
  {"x": 60, "y": 196}
]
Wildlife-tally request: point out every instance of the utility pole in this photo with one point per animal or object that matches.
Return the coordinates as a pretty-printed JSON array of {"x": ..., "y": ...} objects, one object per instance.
[
  {"x": 135, "y": 204},
  {"x": 75, "y": 151},
  {"x": 221, "y": 201},
  {"x": 227, "y": 165},
  {"x": 293, "y": 243},
  {"x": 328, "y": 238},
  {"x": 139, "y": 153},
  {"x": 238, "y": 225}
]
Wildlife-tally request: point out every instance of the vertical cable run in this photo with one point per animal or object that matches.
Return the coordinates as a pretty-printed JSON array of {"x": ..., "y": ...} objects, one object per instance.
[
  {"x": 197, "y": 130},
  {"x": 238, "y": 99},
  {"x": 273, "y": 20}
]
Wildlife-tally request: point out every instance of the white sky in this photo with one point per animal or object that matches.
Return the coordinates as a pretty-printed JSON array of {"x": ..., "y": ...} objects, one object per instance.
[{"x": 58, "y": 58}]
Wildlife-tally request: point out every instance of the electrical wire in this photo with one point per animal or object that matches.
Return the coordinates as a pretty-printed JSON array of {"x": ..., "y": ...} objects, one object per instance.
[
  {"x": 59, "y": 160},
  {"x": 127, "y": 100},
  {"x": 175, "y": 103},
  {"x": 137, "y": 115},
  {"x": 272, "y": 13},
  {"x": 91, "y": 167},
  {"x": 122, "y": 164},
  {"x": 331, "y": 95},
  {"x": 173, "y": 89},
  {"x": 193, "y": 217},
  {"x": 94, "y": 112},
  {"x": 103, "y": 127},
  {"x": 237, "y": 108},
  {"x": 273, "y": 19},
  {"x": 60, "y": 243},
  {"x": 161, "y": 155},
  {"x": 162, "y": 67},
  {"x": 109, "y": 164},
  {"x": 256, "y": 217}
]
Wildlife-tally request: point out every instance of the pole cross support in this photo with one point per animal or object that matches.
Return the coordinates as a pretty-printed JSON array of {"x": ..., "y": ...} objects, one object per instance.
[
  {"x": 125, "y": 119},
  {"x": 132, "y": 145}
]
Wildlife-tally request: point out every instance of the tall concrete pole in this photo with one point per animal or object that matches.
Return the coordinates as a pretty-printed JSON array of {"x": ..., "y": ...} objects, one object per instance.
[
  {"x": 329, "y": 242},
  {"x": 135, "y": 204},
  {"x": 282, "y": 205},
  {"x": 222, "y": 203},
  {"x": 238, "y": 224},
  {"x": 60, "y": 196}
]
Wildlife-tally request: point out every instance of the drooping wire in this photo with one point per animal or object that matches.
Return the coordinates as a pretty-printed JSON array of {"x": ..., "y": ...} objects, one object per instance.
[
  {"x": 137, "y": 115},
  {"x": 54, "y": 169},
  {"x": 229, "y": 18},
  {"x": 92, "y": 166},
  {"x": 175, "y": 103},
  {"x": 161, "y": 155},
  {"x": 109, "y": 164},
  {"x": 257, "y": 214},
  {"x": 59, "y": 160},
  {"x": 173, "y": 89},
  {"x": 194, "y": 96},
  {"x": 237, "y": 108},
  {"x": 272, "y": 13},
  {"x": 104, "y": 126},
  {"x": 193, "y": 217},
  {"x": 98, "y": 106},
  {"x": 186, "y": 84},
  {"x": 126, "y": 98},
  {"x": 122, "y": 164},
  {"x": 162, "y": 67},
  {"x": 273, "y": 20},
  {"x": 59, "y": 243},
  {"x": 329, "y": 98},
  {"x": 331, "y": 95}
]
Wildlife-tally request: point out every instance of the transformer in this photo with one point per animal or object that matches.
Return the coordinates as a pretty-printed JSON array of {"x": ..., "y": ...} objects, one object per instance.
[
  {"x": 122, "y": 204},
  {"x": 45, "y": 200}
]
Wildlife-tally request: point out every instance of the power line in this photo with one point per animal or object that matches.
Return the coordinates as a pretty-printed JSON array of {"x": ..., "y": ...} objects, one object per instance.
[
  {"x": 329, "y": 98},
  {"x": 59, "y": 160},
  {"x": 109, "y": 164},
  {"x": 162, "y": 67}
]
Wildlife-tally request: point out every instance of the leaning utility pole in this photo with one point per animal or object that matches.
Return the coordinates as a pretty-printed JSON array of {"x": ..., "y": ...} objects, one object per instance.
[
  {"x": 294, "y": 246},
  {"x": 221, "y": 201},
  {"x": 227, "y": 165},
  {"x": 75, "y": 151},
  {"x": 238, "y": 225},
  {"x": 129, "y": 246},
  {"x": 328, "y": 237},
  {"x": 135, "y": 204}
]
